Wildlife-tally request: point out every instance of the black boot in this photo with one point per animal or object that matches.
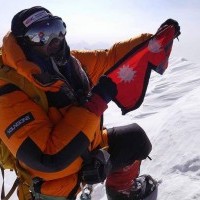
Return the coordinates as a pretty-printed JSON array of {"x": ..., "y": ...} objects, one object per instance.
[{"x": 144, "y": 186}]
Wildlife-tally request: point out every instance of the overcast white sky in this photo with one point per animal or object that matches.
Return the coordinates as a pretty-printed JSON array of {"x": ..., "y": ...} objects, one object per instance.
[{"x": 109, "y": 21}]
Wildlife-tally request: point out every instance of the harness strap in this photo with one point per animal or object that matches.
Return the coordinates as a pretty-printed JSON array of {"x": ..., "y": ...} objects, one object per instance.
[
  {"x": 12, "y": 190},
  {"x": 8, "y": 88},
  {"x": 3, "y": 189}
]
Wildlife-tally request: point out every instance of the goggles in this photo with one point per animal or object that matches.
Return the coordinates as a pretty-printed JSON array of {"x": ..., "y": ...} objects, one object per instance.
[{"x": 43, "y": 32}]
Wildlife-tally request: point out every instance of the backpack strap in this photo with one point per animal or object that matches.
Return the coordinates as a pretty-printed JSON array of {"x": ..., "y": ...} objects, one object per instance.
[
  {"x": 7, "y": 161},
  {"x": 37, "y": 95},
  {"x": 16, "y": 183}
]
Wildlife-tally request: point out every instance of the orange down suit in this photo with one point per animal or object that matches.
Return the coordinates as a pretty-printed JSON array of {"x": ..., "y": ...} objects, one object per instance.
[{"x": 50, "y": 144}]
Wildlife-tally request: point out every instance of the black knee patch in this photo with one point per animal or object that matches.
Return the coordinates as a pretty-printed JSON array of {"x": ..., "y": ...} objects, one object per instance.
[{"x": 127, "y": 144}]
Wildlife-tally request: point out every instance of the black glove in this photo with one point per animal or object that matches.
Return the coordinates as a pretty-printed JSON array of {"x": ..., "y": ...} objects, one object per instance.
[
  {"x": 97, "y": 168},
  {"x": 105, "y": 88},
  {"x": 171, "y": 22}
]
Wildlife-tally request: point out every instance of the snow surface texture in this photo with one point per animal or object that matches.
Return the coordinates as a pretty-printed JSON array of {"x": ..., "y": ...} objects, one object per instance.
[{"x": 170, "y": 115}]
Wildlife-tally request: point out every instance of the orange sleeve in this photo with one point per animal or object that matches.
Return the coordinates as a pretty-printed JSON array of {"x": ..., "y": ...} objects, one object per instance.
[
  {"x": 96, "y": 63},
  {"x": 27, "y": 131}
]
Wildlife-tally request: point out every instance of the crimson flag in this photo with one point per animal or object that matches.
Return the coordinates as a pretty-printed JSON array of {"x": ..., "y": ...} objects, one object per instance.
[{"x": 132, "y": 72}]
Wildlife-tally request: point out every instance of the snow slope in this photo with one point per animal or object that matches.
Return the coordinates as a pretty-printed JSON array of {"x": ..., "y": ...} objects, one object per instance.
[{"x": 170, "y": 114}]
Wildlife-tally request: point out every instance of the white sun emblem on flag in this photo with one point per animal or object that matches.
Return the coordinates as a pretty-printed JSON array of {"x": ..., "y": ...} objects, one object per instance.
[
  {"x": 154, "y": 46},
  {"x": 126, "y": 74}
]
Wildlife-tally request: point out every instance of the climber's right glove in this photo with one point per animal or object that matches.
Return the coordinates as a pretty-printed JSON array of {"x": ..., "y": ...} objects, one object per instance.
[
  {"x": 96, "y": 169},
  {"x": 101, "y": 95}
]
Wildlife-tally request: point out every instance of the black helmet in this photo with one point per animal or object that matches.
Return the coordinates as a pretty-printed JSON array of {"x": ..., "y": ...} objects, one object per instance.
[
  {"x": 36, "y": 27},
  {"x": 25, "y": 18}
]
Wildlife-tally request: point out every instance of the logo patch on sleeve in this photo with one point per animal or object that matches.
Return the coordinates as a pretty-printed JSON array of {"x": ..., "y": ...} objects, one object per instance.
[{"x": 17, "y": 124}]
